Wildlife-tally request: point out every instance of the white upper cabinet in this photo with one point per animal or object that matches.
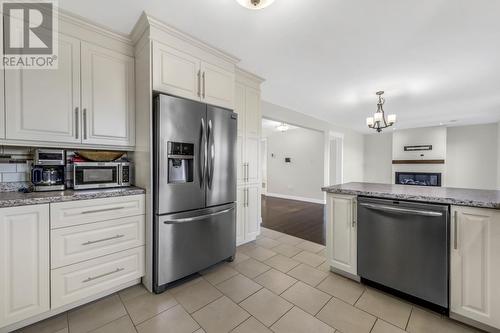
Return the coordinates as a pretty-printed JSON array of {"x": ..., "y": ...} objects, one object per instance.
[
  {"x": 239, "y": 107},
  {"x": 175, "y": 72},
  {"x": 43, "y": 105},
  {"x": 2, "y": 110},
  {"x": 183, "y": 71},
  {"x": 108, "y": 89},
  {"x": 217, "y": 85},
  {"x": 24, "y": 262},
  {"x": 475, "y": 270}
]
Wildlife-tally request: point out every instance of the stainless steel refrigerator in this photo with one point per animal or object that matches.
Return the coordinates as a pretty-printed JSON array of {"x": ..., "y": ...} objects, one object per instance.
[{"x": 194, "y": 187}]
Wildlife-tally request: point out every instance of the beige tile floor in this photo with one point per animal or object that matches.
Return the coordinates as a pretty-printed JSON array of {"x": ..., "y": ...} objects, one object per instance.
[{"x": 278, "y": 284}]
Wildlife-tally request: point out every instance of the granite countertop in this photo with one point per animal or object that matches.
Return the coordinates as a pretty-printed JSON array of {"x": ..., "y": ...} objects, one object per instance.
[
  {"x": 442, "y": 195},
  {"x": 12, "y": 199}
]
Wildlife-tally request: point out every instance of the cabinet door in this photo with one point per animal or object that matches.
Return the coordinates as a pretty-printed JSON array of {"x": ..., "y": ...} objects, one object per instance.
[
  {"x": 108, "y": 89},
  {"x": 43, "y": 105},
  {"x": 475, "y": 270},
  {"x": 252, "y": 157},
  {"x": 175, "y": 72},
  {"x": 341, "y": 233},
  {"x": 253, "y": 113},
  {"x": 24, "y": 262},
  {"x": 240, "y": 215},
  {"x": 217, "y": 86},
  {"x": 2, "y": 92},
  {"x": 240, "y": 159},
  {"x": 253, "y": 202},
  {"x": 239, "y": 106}
]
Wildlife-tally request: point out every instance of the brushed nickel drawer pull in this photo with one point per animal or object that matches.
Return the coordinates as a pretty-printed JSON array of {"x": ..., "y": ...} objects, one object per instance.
[
  {"x": 103, "y": 240},
  {"x": 102, "y": 210},
  {"x": 455, "y": 234},
  {"x": 92, "y": 278}
]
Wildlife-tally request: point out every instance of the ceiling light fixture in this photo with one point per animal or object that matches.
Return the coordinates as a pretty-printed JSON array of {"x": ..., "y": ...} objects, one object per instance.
[
  {"x": 255, "y": 4},
  {"x": 282, "y": 127},
  {"x": 378, "y": 121}
]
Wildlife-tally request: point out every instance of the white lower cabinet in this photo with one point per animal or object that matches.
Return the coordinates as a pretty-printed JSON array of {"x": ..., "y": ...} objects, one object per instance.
[
  {"x": 248, "y": 214},
  {"x": 341, "y": 233},
  {"x": 75, "y": 282},
  {"x": 24, "y": 262},
  {"x": 475, "y": 265}
]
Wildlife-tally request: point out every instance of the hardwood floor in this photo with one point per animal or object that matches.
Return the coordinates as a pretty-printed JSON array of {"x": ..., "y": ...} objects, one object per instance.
[{"x": 296, "y": 218}]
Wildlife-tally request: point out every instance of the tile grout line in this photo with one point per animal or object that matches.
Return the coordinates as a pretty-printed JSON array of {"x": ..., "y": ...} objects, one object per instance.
[
  {"x": 126, "y": 310},
  {"x": 409, "y": 317}
]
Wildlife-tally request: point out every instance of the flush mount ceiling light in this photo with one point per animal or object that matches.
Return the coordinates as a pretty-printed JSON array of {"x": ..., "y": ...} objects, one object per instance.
[
  {"x": 378, "y": 121},
  {"x": 282, "y": 127},
  {"x": 255, "y": 4}
]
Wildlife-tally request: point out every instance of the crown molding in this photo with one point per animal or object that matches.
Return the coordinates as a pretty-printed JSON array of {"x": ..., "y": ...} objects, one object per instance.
[{"x": 248, "y": 75}]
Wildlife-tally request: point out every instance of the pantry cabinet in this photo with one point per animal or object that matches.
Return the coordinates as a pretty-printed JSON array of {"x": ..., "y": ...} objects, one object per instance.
[
  {"x": 247, "y": 106},
  {"x": 24, "y": 262},
  {"x": 182, "y": 74},
  {"x": 474, "y": 269},
  {"x": 2, "y": 110},
  {"x": 107, "y": 96},
  {"x": 341, "y": 233},
  {"x": 43, "y": 104}
]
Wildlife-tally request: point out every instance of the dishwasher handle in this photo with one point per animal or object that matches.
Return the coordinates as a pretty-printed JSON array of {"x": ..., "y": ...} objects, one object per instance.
[{"x": 391, "y": 209}]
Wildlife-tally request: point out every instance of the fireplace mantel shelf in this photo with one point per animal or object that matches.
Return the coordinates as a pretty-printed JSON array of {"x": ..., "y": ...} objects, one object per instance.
[{"x": 417, "y": 161}]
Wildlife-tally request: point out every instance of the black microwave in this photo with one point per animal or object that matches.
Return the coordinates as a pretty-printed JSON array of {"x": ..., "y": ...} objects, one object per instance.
[{"x": 92, "y": 175}]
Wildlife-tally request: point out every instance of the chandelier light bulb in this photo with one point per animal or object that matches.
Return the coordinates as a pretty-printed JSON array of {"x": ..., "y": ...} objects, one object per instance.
[
  {"x": 391, "y": 118},
  {"x": 378, "y": 116},
  {"x": 255, "y": 4},
  {"x": 369, "y": 121}
]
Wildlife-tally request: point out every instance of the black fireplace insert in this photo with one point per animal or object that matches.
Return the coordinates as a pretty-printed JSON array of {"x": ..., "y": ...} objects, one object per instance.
[{"x": 418, "y": 178}]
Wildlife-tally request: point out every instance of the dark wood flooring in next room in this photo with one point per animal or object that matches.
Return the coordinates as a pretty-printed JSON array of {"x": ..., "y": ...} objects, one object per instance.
[{"x": 297, "y": 218}]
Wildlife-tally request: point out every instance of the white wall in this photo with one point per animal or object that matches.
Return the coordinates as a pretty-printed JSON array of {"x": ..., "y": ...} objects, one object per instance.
[
  {"x": 303, "y": 177},
  {"x": 377, "y": 166},
  {"x": 353, "y": 141},
  {"x": 472, "y": 156},
  {"x": 435, "y": 136}
]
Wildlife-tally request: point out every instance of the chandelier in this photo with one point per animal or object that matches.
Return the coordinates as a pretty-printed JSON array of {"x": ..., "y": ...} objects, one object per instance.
[
  {"x": 378, "y": 121},
  {"x": 255, "y": 4}
]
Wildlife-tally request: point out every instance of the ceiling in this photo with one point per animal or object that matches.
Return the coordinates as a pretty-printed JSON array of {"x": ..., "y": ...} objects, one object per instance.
[{"x": 437, "y": 60}]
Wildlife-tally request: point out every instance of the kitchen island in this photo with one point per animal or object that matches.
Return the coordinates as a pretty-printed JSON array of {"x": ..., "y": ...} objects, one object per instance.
[{"x": 405, "y": 238}]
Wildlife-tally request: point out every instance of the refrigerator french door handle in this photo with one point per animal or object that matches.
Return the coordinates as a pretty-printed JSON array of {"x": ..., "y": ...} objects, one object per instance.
[
  {"x": 211, "y": 152},
  {"x": 197, "y": 218},
  {"x": 203, "y": 153}
]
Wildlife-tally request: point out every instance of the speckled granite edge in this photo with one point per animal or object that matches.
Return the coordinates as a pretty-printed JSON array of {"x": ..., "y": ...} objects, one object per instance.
[
  {"x": 464, "y": 197},
  {"x": 13, "y": 199}
]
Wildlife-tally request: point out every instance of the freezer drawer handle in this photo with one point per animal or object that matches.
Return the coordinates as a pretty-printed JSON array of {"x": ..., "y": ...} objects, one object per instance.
[
  {"x": 401, "y": 210},
  {"x": 197, "y": 218},
  {"x": 103, "y": 240},
  {"x": 102, "y": 210},
  {"x": 92, "y": 278}
]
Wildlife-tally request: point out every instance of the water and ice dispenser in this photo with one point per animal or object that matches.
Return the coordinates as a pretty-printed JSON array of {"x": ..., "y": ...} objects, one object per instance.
[{"x": 180, "y": 162}]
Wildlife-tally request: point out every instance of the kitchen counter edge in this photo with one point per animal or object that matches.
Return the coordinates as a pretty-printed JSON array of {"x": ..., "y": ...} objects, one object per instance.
[
  {"x": 14, "y": 199},
  {"x": 441, "y": 195}
]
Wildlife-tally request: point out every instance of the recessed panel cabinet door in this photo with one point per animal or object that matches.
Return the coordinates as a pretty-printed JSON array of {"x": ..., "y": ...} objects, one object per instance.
[
  {"x": 474, "y": 268},
  {"x": 252, "y": 152},
  {"x": 240, "y": 215},
  {"x": 108, "y": 106},
  {"x": 253, "y": 114},
  {"x": 176, "y": 73},
  {"x": 217, "y": 86},
  {"x": 43, "y": 104},
  {"x": 253, "y": 200},
  {"x": 2, "y": 110},
  {"x": 24, "y": 262},
  {"x": 341, "y": 233},
  {"x": 239, "y": 107}
]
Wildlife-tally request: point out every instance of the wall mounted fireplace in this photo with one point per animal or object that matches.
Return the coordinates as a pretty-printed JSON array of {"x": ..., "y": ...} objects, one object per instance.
[{"x": 418, "y": 178}]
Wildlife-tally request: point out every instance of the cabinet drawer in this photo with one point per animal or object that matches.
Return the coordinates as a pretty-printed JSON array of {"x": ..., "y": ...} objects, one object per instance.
[
  {"x": 88, "y": 241},
  {"x": 78, "y": 281},
  {"x": 65, "y": 214}
]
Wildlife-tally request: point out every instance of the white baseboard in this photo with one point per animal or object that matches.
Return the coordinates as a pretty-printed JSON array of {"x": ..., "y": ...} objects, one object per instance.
[{"x": 293, "y": 197}]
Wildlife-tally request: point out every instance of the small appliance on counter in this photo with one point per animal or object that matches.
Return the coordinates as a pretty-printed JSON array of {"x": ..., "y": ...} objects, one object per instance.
[
  {"x": 47, "y": 172},
  {"x": 94, "y": 175}
]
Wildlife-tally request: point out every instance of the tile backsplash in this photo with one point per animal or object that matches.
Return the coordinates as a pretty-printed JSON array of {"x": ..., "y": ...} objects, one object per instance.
[{"x": 15, "y": 165}]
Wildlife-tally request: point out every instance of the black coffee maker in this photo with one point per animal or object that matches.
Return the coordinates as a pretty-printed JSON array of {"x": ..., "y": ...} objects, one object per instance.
[{"x": 47, "y": 173}]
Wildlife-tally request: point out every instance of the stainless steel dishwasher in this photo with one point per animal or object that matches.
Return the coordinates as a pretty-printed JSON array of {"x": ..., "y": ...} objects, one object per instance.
[{"x": 405, "y": 246}]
